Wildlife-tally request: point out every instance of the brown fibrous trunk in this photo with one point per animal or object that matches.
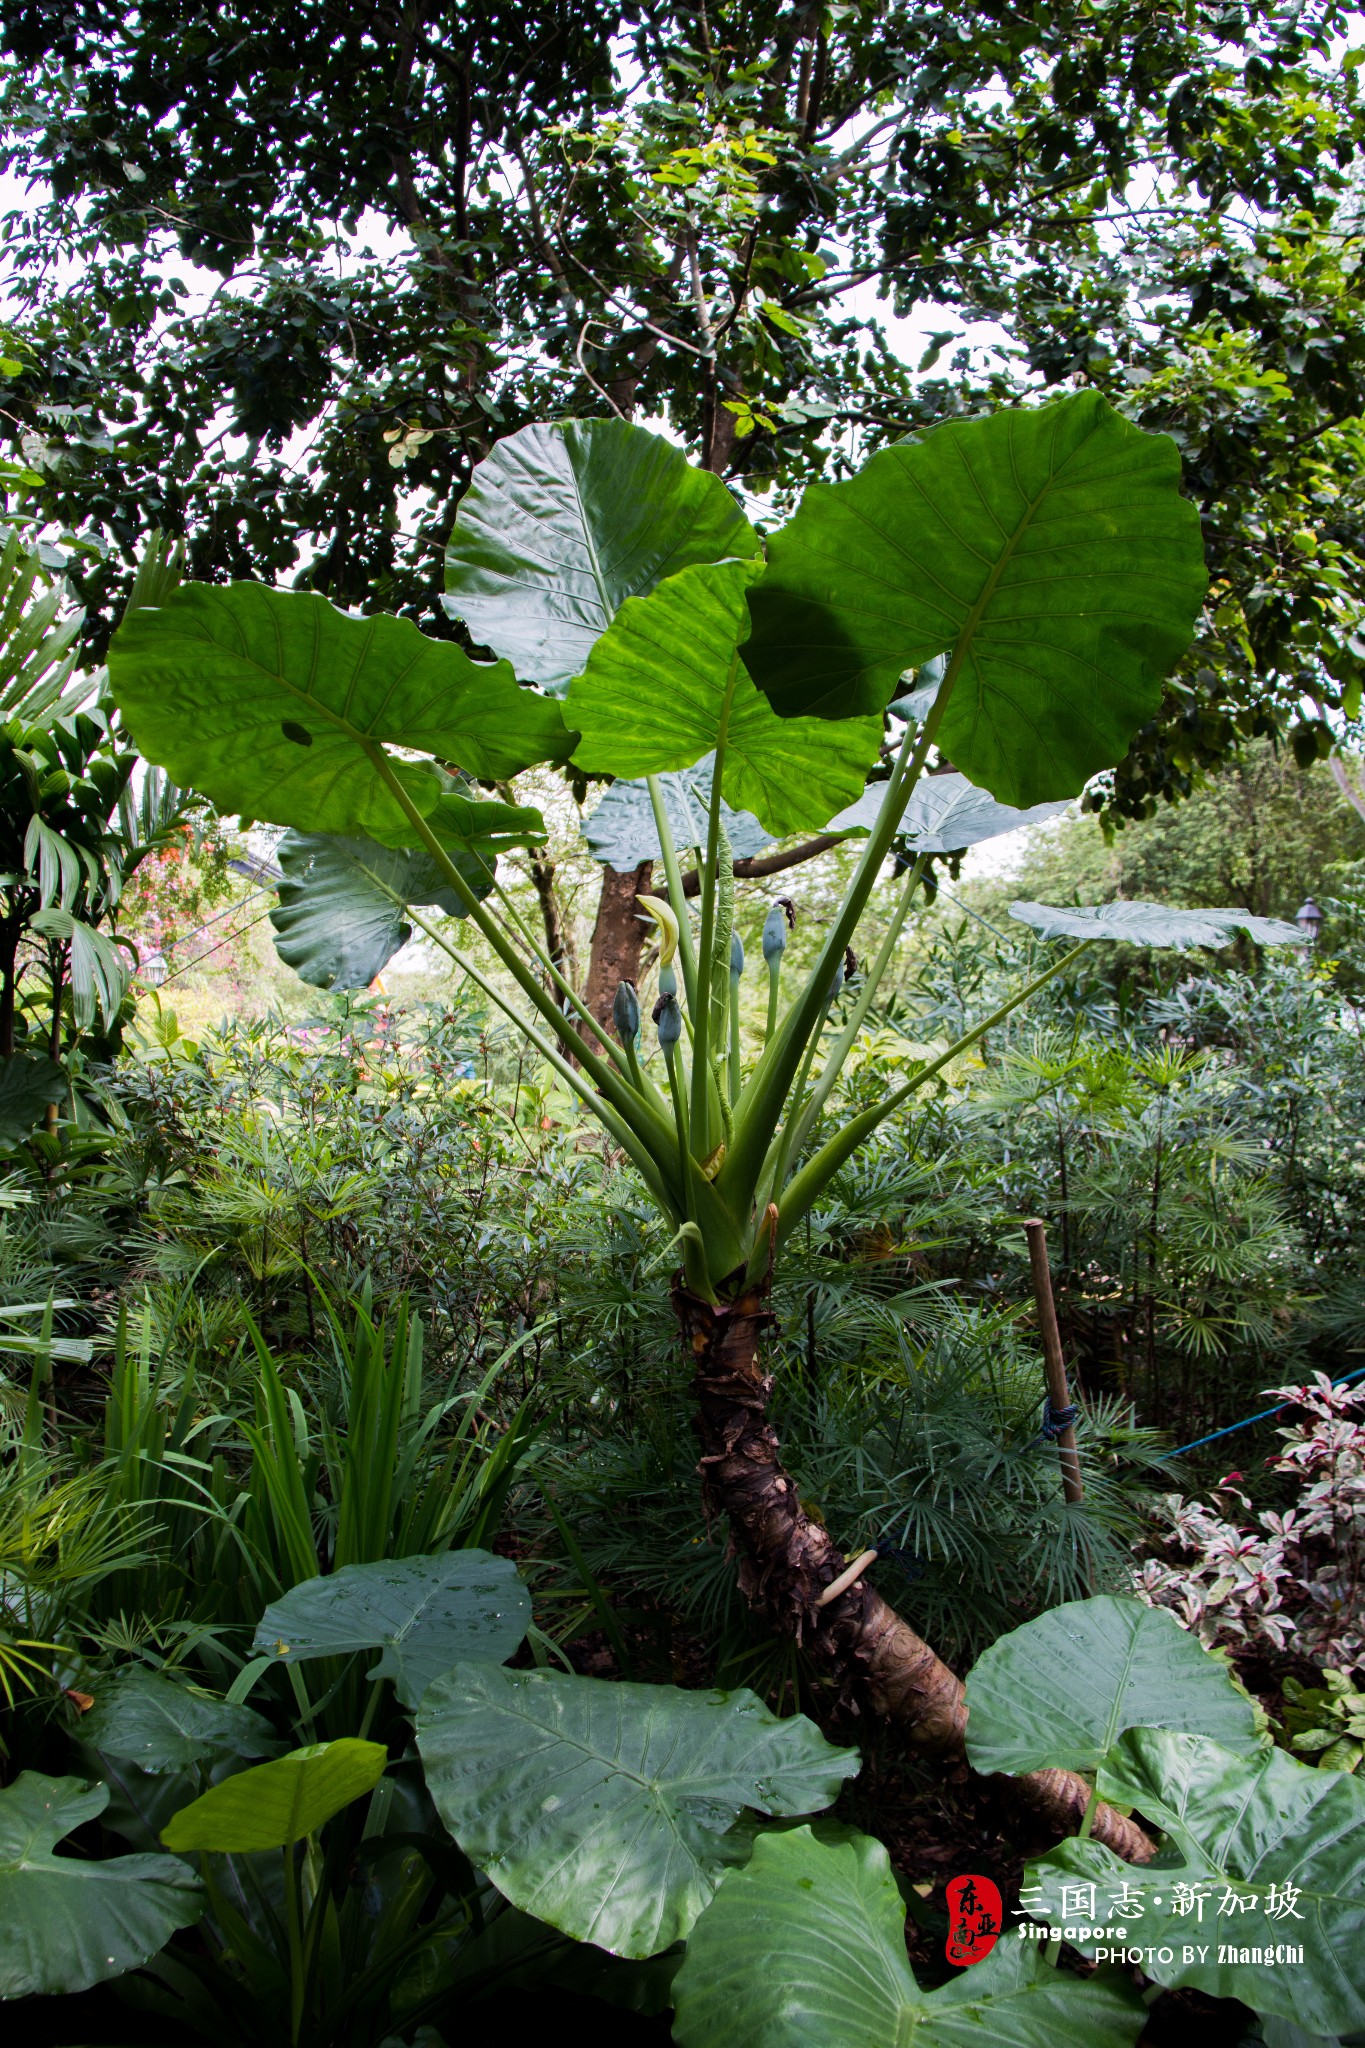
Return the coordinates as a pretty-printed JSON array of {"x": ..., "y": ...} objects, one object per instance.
[
  {"x": 617, "y": 938},
  {"x": 786, "y": 1560}
]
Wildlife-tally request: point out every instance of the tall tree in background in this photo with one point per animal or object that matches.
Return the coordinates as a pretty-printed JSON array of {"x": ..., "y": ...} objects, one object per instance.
[{"x": 425, "y": 224}]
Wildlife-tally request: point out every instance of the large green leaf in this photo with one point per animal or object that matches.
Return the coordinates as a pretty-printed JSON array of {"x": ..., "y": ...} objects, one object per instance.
[
  {"x": 265, "y": 700},
  {"x": 602, "y": 1808},
  {"x": 67, "y": 1922},
  {"x": 339, "y": 919},
  {"x": 805, "y": 1948},
  {"x": 1058, "y": 1692},
  {"x": 161, "y": 1726},
  {"x": 27, "y": 1085},
  {"x": 651, "y": 698},
  {"x": 1154, "y": 924},
  {"x": 425, "y": 1613},
  {"x": 278, "y": 1803},
  {"x": 562, "y": 523},
  {"x": 621, "y": 832},
  {"x": 944, "y": 813},
  {"x": 1047, "y": 549},
  {"x": 1275, "y": 1848}
]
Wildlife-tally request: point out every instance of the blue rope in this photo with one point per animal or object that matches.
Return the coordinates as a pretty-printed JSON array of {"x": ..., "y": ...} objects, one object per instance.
[
  {"x": 1247, "y": 1420},
  {"x": 1055, "y": 1420}
]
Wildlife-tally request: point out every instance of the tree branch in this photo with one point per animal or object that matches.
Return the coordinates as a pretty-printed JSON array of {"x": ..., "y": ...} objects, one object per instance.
[{"x": 772, "y": 863}]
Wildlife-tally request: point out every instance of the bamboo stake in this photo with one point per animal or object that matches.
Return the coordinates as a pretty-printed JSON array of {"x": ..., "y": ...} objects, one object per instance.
[{"x": 1054, "y": 1365}]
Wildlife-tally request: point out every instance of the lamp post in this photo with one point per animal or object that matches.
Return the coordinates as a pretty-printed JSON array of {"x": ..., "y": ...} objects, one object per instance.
[{"x": 1308, "y": 918}]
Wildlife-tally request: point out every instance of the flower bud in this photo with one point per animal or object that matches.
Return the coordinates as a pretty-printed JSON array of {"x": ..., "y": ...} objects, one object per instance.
[
  {"x": 668, "y": 1017},
  {"x": 775, "y": 934},
  {"x": 625, "y": 1011},
  {"x": 668, "y": 981},
  {"x": 736, "y": 957}
]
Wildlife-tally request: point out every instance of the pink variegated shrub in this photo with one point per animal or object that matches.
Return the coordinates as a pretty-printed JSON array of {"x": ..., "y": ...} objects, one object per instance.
[{"x": 1292, "y": 1581}]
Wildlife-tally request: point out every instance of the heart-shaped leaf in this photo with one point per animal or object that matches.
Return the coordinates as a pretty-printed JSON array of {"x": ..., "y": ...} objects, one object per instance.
[
  {"x": 1264, "y": 1854},
  {"x": 339, "y": 920},
  {"x": 266, "y": 701},
  {"x": 666, "y": 675},
  {"x": 805, "y": 1948},
  {"x": 944, "y": 813},
  {"x": 1046, "y": 550},
  {"x": 425, "y": 1613},
  {"x": 1154, "y": 924},
  {"x": 1058, "y": 1692},
  {"x": 602, "y": 1808},
  {"x": 278, "y": 1803},
  {"x": 562, "y": 523},
  {"x": 621, "y": 832},
  {"x": 67, "y": 1922},
  {"x": 161, "y": 1726}
]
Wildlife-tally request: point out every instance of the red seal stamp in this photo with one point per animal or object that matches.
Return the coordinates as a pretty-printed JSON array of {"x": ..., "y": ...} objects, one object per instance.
[{"x": 974, "y": 1920}]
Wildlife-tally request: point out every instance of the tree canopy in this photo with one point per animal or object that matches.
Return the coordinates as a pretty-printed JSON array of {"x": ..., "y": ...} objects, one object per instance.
[{"x": 427, "y": 225}]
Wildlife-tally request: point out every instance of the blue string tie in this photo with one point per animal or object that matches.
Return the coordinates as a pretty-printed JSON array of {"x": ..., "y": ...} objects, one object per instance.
[{"x": 1055, "y": 1420}]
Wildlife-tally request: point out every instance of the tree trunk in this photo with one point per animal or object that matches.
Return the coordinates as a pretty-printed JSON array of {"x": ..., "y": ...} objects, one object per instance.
[
  {"x": 786, "y": 1560},
  {"x": 10, "y": 929},
  {"x": 617, "y": 938}
]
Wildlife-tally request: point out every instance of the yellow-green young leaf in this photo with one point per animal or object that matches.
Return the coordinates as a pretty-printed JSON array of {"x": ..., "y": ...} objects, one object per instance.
[
  {"x": 1047, "y": 549},
  {"x": 67, "y": 1922},
  {"x": 805, "y": 1948},
  {"x": 653, "y": 697},
  {"x": 266, "y": 700},
  {"x": 562, "y": 523},
  {"x": 278, "y": 1803},
  {"x": 1058, "y": 1692}
]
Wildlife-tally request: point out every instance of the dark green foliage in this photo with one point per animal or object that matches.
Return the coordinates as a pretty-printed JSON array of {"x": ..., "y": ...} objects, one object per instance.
[{"x": 680, "y": 235}]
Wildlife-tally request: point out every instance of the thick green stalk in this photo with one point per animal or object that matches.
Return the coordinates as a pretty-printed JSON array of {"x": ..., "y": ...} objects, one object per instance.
[
  {"x": 673, "y": 878},
  {"x": 843, "y": 1045},
  {"x": 774, "y": 983},
  {"x": 676, "y": 1088},
  {"x": 760, "y": 1108},
  {"x": 782, "y": 1145},
  {"x": 613, "y": 1085},
  {"x": 703, "y": 1136},
  {"x": 736, "y": 1069},
  {"x": 815, "y": 1176},
  {"x": 547, "y": 966},
  {"x": 297, "y": 1971},
  {"x": 649, "y": 1163}
]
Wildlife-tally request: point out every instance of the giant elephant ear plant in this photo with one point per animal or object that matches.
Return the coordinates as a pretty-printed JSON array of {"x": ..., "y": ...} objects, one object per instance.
[{"x": 1040, "y": 570}]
